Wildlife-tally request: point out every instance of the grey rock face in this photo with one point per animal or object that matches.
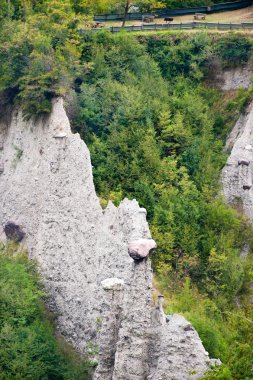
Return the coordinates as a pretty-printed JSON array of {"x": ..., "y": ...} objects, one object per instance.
[
  {"x": 237, "y": 173},
  {"x": 179, "y": 347},
  {"x": 101, "y": 295},
  {"x": 234, "y": 78}
]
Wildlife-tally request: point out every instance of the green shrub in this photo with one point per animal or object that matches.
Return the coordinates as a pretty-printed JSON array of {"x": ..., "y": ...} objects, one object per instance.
[
  {"x": 218, "y": 373},
  {"x": 211, "y": 336},
  {"x": 234, "y": 49}
]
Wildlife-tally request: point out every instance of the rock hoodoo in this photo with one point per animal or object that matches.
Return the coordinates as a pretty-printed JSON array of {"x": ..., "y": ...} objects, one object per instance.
[
  {"x": 179, "y": 348},
  {"x": 102, "y": 297}
]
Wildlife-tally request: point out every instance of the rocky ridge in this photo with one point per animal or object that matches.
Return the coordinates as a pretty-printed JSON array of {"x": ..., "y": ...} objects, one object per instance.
[
  {"x": 238, "y": 171},
  {"x": 237, "y": 174},
  {"x": 102, "y": 296}
]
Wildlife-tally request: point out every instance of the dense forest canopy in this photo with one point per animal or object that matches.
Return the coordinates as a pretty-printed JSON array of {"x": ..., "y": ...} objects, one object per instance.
[
  {"x": 118, "y": 6},
  {"x": 20, "y": 8},
  {"x": 193, "y": 3},
  {"x": 156, "y": 133}
]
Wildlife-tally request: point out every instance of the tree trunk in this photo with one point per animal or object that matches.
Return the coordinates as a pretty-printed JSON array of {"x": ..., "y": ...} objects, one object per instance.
[
  {"x": 23, "y": 10},
  {"x": 9, "y": 8},
  {"x": 127, "y": 6}
]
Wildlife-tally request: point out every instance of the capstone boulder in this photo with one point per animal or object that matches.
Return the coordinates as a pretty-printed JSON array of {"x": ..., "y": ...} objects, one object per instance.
[
  {"x": 141, "y": 248},
  {"x": 112, "y": 284}
]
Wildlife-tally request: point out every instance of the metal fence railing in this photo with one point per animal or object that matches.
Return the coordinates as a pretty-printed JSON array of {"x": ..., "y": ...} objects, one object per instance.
[
  {"x": 176, "y": 26},
  {"x": 160, "y": 13}
]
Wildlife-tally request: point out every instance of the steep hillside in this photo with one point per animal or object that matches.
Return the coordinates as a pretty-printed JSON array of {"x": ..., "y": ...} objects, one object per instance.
[
  {"x": 155, "y": 121},
  {"x": 94, "y": 264},
  {"x": 156, "y": 125}
]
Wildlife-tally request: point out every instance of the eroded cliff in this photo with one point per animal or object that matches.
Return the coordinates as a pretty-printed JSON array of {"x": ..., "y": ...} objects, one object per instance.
[
  {"x": 102, "y": 296},
  {"x": 237, "y": 174}
]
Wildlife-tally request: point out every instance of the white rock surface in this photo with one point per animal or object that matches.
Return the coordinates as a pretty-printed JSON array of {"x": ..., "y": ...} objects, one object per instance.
[
  {"x": 112, "y": 284},
  {"x": 47, "y": 189},
  {"x": 238, "y": 172}
]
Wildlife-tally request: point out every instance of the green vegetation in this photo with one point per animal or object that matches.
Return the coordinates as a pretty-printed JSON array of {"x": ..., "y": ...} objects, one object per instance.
[
  {"x": 156, "y": 133},
  {"x": 120, "y": 6},
  {"x": 28, "y": 347},
  {"x": 192, "y": 3}
]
